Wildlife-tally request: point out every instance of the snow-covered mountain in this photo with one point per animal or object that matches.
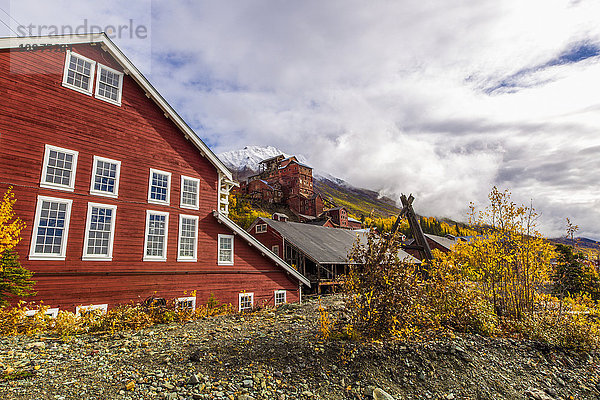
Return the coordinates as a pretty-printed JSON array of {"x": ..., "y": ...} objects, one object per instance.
[
  {"x": 251, "y": 156},
  {"x": 248, "y": 157},
  {"x": 244, "y": 163}
]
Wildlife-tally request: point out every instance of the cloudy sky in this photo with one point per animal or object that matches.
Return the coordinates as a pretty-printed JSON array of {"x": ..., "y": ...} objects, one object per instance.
[{"x": 443, "y": 99}]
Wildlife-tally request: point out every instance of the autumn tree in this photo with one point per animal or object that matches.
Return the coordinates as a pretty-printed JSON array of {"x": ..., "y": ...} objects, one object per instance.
[
  {"x": 241, "y": 211},
  {"x": 14, "y": 279},
  {"x": 574, "y": 274},
  {"x": 509, "y": 260},
  {"x": 10, "y": 225}
]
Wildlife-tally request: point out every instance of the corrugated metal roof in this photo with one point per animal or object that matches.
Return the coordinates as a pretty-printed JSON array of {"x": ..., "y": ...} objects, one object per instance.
[
  {"x": 442, "y": 241},
  {"x": 322, "y": 244}
]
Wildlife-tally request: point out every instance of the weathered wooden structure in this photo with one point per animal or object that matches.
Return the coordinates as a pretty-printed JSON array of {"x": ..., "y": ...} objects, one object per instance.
[
  {"x": 317, "y": 252},
  {"x": 285, "y": 181},
  {"x": 420, "y": 244}
]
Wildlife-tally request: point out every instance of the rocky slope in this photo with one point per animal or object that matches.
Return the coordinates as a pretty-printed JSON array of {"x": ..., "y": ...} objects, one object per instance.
[{"x": 276, "y": 354}]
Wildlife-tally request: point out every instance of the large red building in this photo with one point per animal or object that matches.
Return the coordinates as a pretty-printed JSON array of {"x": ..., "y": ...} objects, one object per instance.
[
  {"x": 287, "y": 181},
  {"x": 121, "y": 199}
]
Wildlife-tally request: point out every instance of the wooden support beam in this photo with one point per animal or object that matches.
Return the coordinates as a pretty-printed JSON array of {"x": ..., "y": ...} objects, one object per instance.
[{"x": 407, "y": 211}]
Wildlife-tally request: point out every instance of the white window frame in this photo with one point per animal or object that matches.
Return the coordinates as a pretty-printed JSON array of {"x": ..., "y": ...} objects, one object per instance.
[
  {"x": 165, "y": 246},
  {"x": 63, "y": 248},
  {"x": 117, "y": 177},
  {"x": 154, "y": 201},
  {"x": 195, "y": 256},
  {"x": 222, "y": 236},
  {"x": 284, "y": 297},
  {"x": 240, "y": 295},
  {"x": 185, "y": 299},
  {"x": 96, "y": 92},
  {"x": 181, "y": 203},
  {"x": 71, "y": 186},
  {"x": 102, "y": 307},
  {"x": 275, "y": 249},
  {"x": 263, "y": 228},
  {"x": 66, "y": 72},
  {"x": 51, "y": 312},
  {"x": 97, "y": 257}
]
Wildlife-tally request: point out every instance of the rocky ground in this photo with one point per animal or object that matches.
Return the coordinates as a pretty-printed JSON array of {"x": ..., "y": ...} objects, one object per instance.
[{"x": 276, "y": 354}]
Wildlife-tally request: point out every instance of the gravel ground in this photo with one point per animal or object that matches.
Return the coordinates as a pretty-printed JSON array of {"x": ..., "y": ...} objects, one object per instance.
[{"x": 276, "y": 354}]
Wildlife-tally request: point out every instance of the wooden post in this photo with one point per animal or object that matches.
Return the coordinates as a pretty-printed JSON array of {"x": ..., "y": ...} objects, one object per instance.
[{"x": 415, "y": 227}]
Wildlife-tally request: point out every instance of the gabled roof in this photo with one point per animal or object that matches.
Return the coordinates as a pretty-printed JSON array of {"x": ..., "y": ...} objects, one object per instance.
[
  {"x": 322, "y": 244},
  {"x": 133, "y": 72},
  {"x": 261, "y": 247}
]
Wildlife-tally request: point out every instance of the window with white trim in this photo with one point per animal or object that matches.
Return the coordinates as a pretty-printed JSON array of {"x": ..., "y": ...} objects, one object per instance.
[
  {"x": 185, "y": 303},
  {"x": 101, "y": 308},
  {"x": 275, "y": 249},
  {"x": 246, "y": 301},
  {"x": 260, "y": 228},
  {"x": 155, "y": 243},
  {"x": 51, "y": 312},
  {"x": 159, "y": 187},
  {"x": 190, "y": 192},
  {"x": 79, "y": 73},
  {"x": 50, "y": 229},
  {"x": 225, "y": 250},
  {"x": 280, "y": 297},
  {"x": 105, "y": 177},
  {"x": 188, "y": 238},
  {"x": 99, "y": 232},
  {"x": 109, "y": 84},
  {"x": 59, "y": 168}
]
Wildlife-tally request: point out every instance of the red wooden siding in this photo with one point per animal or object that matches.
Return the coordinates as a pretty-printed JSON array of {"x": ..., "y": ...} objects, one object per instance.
[
  {"x": 269, "y": 238},
  {"x": 37, "y": 110}
]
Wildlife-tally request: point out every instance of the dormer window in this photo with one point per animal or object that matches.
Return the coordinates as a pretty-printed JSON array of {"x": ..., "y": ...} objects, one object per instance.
[
  {"x": 109, "y": 85},
  {"x": 79, "y": 73}
]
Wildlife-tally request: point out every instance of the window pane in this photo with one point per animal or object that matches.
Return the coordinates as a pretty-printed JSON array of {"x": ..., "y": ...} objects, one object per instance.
[
  {"x": 187, "y": 237},
  {"x": 108, "y": 85},
  {"x": 225, "y": 249},
  {"x": 101, "y": 220},
  {"x": 105, "y": 176},
  {"x": 189, "y": 192},
  {"x": 79, "y": 72},
  {"x": 159, "y": 188},
  {"x": 50, "y": 228},
  {"x": 59, "y": 168},
  {"x": 156, "y": 235}
]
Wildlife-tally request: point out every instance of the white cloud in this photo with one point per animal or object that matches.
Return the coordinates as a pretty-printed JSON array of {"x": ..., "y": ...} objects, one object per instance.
[{"x": 392, "y": 95}]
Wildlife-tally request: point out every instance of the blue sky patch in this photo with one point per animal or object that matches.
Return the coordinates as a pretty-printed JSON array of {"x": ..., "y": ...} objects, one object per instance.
[{"x": 575, "y": 53}]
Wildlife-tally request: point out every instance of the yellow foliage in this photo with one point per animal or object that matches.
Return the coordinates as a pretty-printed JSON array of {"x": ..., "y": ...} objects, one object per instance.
[
  {"x": 10, "y": 226},
  {"x": 325, "y": 322},
  {"x": 14, "y": 321},
  {"x": 242, "y": 213},
  {"x": 509, "y": 260},
  {"x": 488, "y": 285}
]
